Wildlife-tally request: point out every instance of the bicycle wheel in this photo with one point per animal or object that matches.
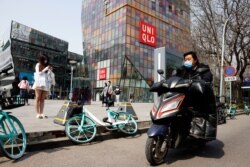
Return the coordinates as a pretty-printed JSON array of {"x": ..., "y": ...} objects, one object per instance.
[
  {"x": 80, "y": 134},
  {"x": 130, "y": 127},
  {"x": 14, "y": 145}
]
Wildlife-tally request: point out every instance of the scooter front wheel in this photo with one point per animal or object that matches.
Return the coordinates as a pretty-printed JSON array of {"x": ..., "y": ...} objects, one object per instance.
[
  {"x": 80, "y": 134},
  {"x": 156, "y": 150}
]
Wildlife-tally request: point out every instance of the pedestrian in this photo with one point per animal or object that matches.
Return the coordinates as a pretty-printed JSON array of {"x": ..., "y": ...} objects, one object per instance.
[
  {"x": 24, "y": 89},
  {"x": 117, "y": 94},
  {"x": 109, "y": 94},
  {"x": 82, "y": 96},
  {"x": 104, "y": 94},
  {"x": 88, "y": 95},
  {"x": 131, "y": 98},
  {"x": 41, "y": 84},
  {"x": 4, "y": 93},
  {"x": 15, "y": 88},
  {"x": 3, "y": 98}
]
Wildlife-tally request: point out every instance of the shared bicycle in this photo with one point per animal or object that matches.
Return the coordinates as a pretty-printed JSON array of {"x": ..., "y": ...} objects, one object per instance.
[
  {"x": 246, "y": 110},
  {"x": 82, "y": 128},
  {"x": 13, "y": 140}
]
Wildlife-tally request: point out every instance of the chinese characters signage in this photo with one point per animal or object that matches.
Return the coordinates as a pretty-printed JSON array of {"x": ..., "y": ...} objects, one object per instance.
[
  {"x": 102, "y": 73},
  {"x": 147, "y": 34}
]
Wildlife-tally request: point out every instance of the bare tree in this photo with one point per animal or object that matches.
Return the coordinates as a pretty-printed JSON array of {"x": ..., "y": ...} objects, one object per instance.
[
  {"x": 209, "y": 17},
  {"x": 238, "y": 38}
]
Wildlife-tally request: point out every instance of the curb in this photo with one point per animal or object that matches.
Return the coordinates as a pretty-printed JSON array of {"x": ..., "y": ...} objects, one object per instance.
[
  {"x": 43, "y": 137},
  {"x": 58, "y": 138}
]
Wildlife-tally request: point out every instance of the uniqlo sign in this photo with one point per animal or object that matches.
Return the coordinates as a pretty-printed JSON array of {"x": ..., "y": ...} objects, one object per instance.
[
  {"x": 102, "y": 73},
  {"x": 147, "y": 34}
]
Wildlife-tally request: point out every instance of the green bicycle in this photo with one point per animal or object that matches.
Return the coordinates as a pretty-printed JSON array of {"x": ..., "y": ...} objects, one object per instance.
[
  {"x": 13, "y": 140},
  {"x": 82, "y": 128}
]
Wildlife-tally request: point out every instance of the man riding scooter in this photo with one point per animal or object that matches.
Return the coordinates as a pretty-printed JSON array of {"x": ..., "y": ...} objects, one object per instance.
[{"x": 204, "y": 124}]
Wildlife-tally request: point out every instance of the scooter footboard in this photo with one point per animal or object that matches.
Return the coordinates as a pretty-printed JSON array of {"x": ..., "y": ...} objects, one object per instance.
[{"x": 157, "y": 130}]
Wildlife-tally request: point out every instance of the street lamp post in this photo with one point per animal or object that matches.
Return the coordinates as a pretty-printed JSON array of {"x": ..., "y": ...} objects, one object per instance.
[
  {"x": 222, "y": 60},
  {"x": 72, "y": 63}
]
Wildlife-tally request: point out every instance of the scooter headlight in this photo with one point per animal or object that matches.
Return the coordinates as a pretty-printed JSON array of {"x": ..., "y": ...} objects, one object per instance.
[{"x": 172, "y": 105}]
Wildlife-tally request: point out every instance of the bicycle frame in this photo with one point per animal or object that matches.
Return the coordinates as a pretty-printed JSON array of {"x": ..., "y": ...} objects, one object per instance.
[{"x": 109, "y": 112}]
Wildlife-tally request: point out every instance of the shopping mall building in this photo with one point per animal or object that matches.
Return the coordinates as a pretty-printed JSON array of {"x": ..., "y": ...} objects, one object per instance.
[
  {"x": 119, "y": 39},
  {"x": 20, "y": 48}
]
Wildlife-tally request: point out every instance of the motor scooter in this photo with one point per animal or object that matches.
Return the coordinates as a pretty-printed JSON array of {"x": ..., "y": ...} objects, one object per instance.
[
  {"x": 171, "y": 118},
  {"x": 222, "y": 111}
]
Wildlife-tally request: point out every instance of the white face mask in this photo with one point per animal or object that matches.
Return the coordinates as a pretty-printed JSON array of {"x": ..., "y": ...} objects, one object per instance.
[{"x": 188, "y": 64}]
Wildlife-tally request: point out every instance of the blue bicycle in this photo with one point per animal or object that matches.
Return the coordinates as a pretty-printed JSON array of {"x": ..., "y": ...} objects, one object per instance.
[
  {"x": 13, "y": 140},
  {"x": 82, "y": 128}
]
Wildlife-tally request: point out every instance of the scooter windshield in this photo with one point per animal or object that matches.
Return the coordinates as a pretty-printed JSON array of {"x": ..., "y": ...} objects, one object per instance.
[{"x": 172, "y": 81}]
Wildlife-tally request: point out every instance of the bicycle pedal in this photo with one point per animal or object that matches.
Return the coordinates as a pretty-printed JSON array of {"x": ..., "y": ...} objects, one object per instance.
[
  {"x": 106, "y": 121},
  {"x": 109, "y": 122}
]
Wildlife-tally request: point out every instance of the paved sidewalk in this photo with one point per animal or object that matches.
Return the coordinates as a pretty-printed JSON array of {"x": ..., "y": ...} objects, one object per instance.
[
  {"x": 45, "y": 130},
  {"x": 42, "y": 129}
]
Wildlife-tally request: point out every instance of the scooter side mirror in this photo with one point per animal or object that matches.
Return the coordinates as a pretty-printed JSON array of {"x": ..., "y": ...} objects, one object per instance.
[{"x": 160, "y": 71}]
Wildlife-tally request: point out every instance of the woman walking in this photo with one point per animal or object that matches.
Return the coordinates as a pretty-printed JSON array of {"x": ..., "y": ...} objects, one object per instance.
[{"x": 24, "y": 89}]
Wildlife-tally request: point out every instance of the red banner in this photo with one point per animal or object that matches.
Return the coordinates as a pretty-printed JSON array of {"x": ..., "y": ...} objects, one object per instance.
[
  {"x": 147, "y": 34},
  {"x": 102, "y": 73}
]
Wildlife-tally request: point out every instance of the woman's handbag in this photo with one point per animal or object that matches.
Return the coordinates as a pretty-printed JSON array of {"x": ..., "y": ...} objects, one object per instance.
[{"x": 51, "y": 78}]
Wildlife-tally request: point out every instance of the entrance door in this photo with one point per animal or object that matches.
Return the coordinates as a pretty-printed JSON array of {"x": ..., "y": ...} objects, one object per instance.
[
  {"x": 97, "y": 96},
  {"x": 97, "y": 93}
]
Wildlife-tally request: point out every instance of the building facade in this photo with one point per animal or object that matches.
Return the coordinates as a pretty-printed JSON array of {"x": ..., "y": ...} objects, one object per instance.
[
  {"x": 20, "y": 52},
  {"x": 119, "y": 38}
]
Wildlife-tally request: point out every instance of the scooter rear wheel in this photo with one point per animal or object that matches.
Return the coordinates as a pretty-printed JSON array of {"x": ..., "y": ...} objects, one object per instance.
[{"x": 156, "y": 150}]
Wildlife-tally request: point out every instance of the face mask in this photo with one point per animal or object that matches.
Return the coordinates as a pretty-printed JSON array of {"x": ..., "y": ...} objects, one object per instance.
[{"x": 188, "y": 64}]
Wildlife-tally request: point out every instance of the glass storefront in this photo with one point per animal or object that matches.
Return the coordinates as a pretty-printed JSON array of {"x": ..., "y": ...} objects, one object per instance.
[{"x": 111, "y": 41}]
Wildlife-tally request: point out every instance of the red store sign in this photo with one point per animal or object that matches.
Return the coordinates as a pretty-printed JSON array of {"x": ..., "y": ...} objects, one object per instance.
[
  {"x": 102, "y": 73},
  {"x": 147, "y": 34}
]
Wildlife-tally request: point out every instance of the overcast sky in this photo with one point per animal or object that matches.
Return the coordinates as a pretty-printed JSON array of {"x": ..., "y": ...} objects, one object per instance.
[{"x": 59, "y": 18}]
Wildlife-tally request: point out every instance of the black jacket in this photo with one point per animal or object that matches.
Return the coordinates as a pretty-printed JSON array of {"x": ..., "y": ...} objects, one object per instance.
[
  {"x": 200, "y": 92},
  {"x": 189, "y": 73},
  {"x": 201, "y": 97}
]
